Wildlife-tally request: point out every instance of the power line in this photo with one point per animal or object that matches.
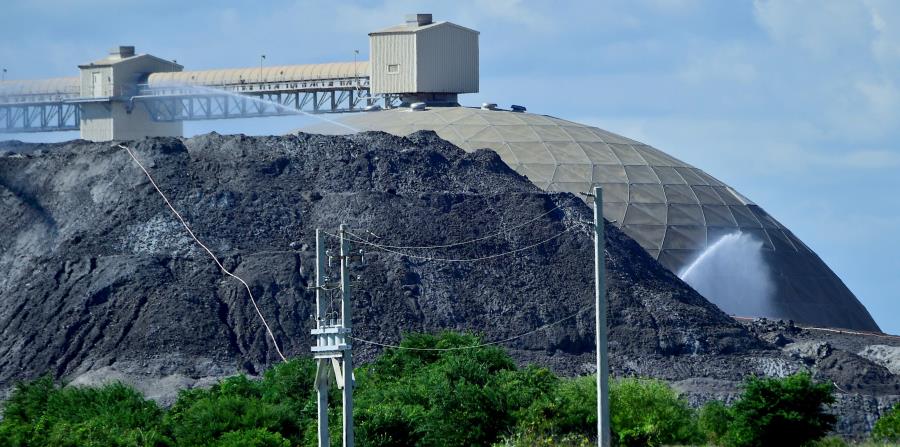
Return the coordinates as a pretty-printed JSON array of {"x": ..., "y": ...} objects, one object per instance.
[
  {"x": 215, "y": 259},
  {"x": 359, "y": 240},
  {"x": 470, "y": 241},
  {"x": 480, "y": 345}
]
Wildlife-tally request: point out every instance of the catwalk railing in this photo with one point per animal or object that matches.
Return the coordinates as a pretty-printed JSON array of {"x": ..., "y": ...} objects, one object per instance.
[{"x": 198, "y": 102}]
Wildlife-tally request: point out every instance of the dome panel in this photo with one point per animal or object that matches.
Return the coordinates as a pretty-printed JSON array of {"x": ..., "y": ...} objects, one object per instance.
[
  {"x": 530, "y": 118},
  {"x": 487, "y": 135},
  {"x": 613, "y": 212},
  {"x": 690, "y": 176},
  {"x": 568, "y": 152},
  {"x": 531, "y": 152},
  {"x": 680, "y": 194},
  {"x": 609, "y": 173},
  {"x": 718, "y": 216},
  {"x": 537, "y": 172},
  {"x": 707, "y": 195},
  {"x": 646, "y": 235},
  {"x": 499, "y": 119},
  {"x": 574, "y": 173},
  {"x": 627, "y": 155},
  {"x": 685, "y": 237},
  {"x": 764, "y": 218},
  {"x": 515, "y": 134},
  {"x": 668, "y": 176},
  {"x": 647, "y": 193},
  {"x": 779, "y": 241},
  {"x": 551, "y": 133},
  {"x": 677, "y": 260},
  {"x": 645, "y": 214},
  {"x": 600, "y": 153},
  {"x": 615, "y": 192},
  {"x": 728, "y": 196},
  {"x": 655, "y": 157},
  {"x": 759, "y": 235},
  {"x": 472, "y": 118},
  {"x": 641, "y": 174},
  {"x": 710, "y": 180},
  {"x": 685, "y": 215},
  {"x": 744, "y": 218},
  {"x": 581, "y": 134},
  {"x": 610, "y": 137}
]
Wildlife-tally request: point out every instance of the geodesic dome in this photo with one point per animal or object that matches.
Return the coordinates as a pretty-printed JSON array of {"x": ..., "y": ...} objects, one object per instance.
[{"x": 673, "y": 210}]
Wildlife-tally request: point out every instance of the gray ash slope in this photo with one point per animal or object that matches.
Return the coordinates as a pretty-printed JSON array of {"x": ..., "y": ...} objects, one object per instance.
[{"x": 97, "y": 279}]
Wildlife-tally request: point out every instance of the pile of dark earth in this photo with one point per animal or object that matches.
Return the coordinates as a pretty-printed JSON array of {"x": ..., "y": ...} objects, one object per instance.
[{"x": 99, "y": 281}]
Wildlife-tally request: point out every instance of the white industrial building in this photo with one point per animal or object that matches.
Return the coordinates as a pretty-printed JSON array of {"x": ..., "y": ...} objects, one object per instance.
[
  {"x": 424, "y": 60},
  {"x": 104, "y": 116}
]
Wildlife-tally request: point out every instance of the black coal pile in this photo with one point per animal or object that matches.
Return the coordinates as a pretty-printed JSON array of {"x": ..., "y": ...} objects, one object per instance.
[{"x": 99, "y": 281}]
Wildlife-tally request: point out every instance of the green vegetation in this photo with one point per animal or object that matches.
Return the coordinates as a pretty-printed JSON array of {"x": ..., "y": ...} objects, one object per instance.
[
  {"x": 887, "y": 429},
  {"x": 455, "y": 397}
]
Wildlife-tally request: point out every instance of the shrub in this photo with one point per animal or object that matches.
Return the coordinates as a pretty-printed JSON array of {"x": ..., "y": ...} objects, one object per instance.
[
  {"x": 448, "y": 398},
  {"x": 252, "y": 438},
  {"x": 788, "y": 411},
  {"x": 713, "y": 421},
  {"x": 649, "y": 413},
  {"x": 41, "y": 413},
  {"x": 887, "y": 428}
]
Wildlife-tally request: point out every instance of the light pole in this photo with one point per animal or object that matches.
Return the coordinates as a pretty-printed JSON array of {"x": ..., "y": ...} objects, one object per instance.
[
  {"x": 355, "y": 69},
  {"x": 262, "y": 57},
  {"x": 3, "y": 77}
]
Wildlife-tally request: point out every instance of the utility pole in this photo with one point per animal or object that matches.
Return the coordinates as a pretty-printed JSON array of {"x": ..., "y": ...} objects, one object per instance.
[
  {"x": 600, "y": 305},
  {"x": 333, "y": 350}
]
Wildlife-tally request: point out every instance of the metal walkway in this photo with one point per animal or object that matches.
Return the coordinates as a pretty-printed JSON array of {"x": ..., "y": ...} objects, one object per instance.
[{"x": 54, "y": 105}]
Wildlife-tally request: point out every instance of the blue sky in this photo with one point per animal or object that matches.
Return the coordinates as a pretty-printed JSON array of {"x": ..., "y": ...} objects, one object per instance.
[{"x": 794, "y": 103}]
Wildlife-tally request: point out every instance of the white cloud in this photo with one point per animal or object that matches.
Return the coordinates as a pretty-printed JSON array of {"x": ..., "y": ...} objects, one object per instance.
[{"x": 821, "y": 27}]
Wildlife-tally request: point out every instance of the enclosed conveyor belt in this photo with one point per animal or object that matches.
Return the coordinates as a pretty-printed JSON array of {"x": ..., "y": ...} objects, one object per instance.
[
  {"x": 39, "y": 90},
  {"x": 262, "y": 75}
]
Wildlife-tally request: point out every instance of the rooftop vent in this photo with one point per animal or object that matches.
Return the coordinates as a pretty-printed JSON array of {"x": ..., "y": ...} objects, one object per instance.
[
  {"x": 414, "y": 20},
  {"x": 122, "y": 51}
]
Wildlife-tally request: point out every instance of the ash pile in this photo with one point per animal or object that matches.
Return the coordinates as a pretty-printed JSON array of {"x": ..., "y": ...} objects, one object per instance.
[{"x": 99, "y": 281}]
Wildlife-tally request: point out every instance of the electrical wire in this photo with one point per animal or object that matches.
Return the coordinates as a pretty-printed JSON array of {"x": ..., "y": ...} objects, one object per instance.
[
  {"x": 480, "y": 345},
  {"x": 470, "y": 241},
  {"x": 214, "y": 258},
  {"x": 358, "y": 240}
]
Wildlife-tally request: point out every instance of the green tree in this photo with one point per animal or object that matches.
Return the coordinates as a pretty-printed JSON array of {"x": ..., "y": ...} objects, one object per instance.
[
  {"x": 455, "y": 397},
  {"x": 713, "y": 420},
  {"x": 887, "y": 428},
  {"x": 788, "y": 411},
  {"x": 44, "y": 414},
  {"x": 646, "y": 412}
]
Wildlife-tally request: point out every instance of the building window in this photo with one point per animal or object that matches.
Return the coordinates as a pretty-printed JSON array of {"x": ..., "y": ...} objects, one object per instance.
[{"x": 393, "y": 68}]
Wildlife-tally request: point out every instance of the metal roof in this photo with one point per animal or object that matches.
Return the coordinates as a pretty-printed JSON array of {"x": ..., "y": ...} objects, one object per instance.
[
  {"x": 53, "y": 86},
  {"x": 672, "y": 209},
  {"x": 281, "y": 73},
  {"x": 411, "y": 29}
]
